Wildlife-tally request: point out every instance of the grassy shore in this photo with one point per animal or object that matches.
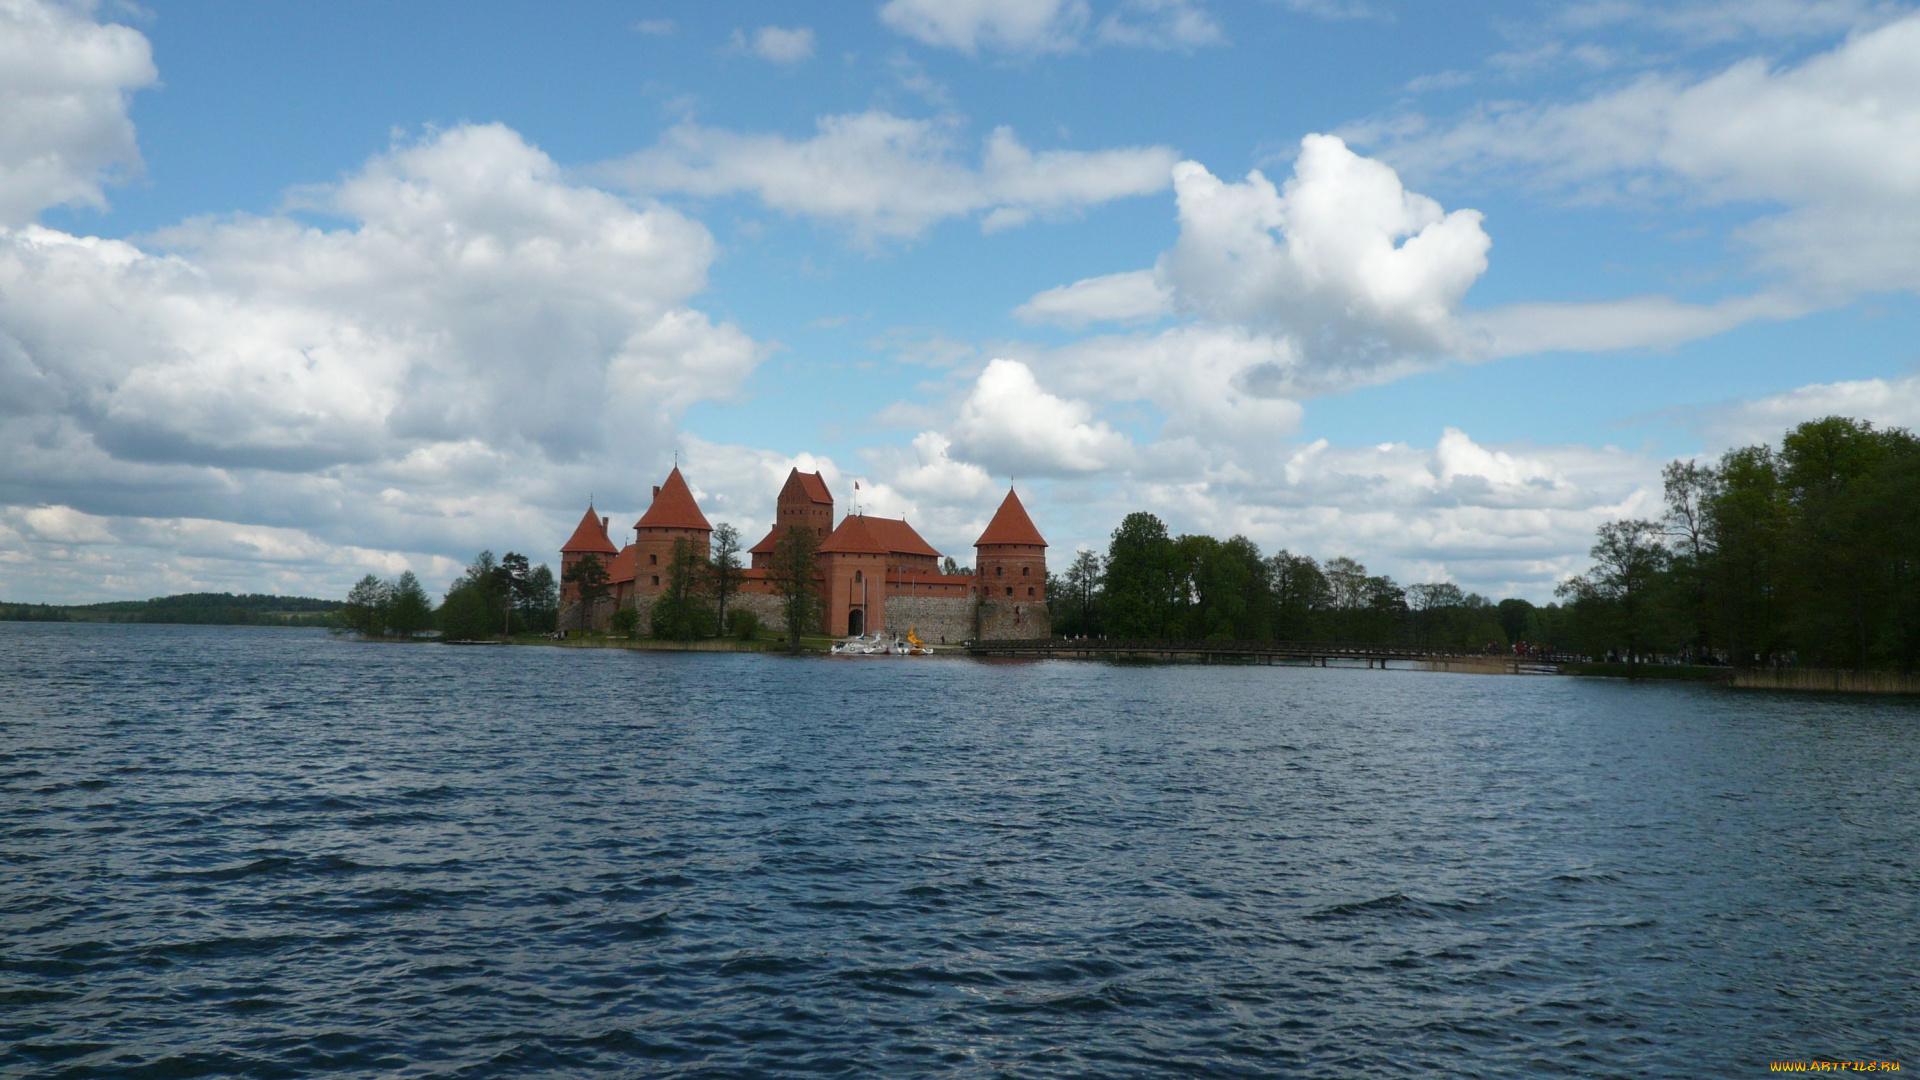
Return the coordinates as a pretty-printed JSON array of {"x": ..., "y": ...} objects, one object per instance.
[{"x": 1680, "y": 672}]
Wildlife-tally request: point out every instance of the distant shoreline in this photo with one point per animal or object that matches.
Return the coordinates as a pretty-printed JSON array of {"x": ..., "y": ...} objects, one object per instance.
[{"x": 184, "y": 609}]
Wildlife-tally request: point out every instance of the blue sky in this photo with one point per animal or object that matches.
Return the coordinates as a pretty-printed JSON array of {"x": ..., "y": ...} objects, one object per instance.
[{"x": 293, "y": 293}]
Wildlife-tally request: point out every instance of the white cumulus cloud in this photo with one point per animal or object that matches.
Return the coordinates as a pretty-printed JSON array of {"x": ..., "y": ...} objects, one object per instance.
[
  {"x": 1009, "y": 424},
  {"x": 447, "y": 371},
  {"x": 64, "y": 84},
  {"x": 1889, "y": 402},
  {"x": 776, "y": 44},
  {"x": 888, "y": 176},
  {"x": 1356, "y": 268},
  {"x": 1827, "y": 151},
  {"x": 1128, "y": 297},
  {"x": 1029, "y": 27}
]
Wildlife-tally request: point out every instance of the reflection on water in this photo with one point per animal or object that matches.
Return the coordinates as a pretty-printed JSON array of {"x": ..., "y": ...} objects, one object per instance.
[{"x": 273, "y": 853}]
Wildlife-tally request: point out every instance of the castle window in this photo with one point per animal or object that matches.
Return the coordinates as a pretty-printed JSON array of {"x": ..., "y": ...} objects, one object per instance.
[
  {"x": 1009, "y": 590},
  {"x": 999, "y": 570},
  {"x": 857, "y": 577},
  {"x": 1025, "y": 570},
  {"x": 656, "y": 579},
  {"x": 653, "y": 560},
  {"x": 1029, "y": 590}
]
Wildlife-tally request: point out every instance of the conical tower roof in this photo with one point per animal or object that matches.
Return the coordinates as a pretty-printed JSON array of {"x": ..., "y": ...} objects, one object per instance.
[
  {"x": 1011, "y": 525},
  {"x": 590, "y": 536},
  {"x": 673, "y": 507}
]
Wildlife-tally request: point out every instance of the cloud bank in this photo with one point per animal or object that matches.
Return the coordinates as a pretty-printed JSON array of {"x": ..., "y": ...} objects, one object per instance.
[
  {"x": 441, "y": 374},
  {"x": 888, "y": 177}
]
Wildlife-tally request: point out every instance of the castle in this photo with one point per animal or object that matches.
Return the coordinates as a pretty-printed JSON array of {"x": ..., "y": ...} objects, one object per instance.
[{"x": 872, "y": 573}]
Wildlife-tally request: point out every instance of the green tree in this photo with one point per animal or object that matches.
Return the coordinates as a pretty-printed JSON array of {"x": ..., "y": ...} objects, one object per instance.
[
  {"x": 1346, "y": 596},
  {"x": 1432, "y": 605},
  {"x": 791, "y": 572},
  {"x": 1515, "y": 616},
  {"x": 411, "y": 611},
  {"x": 1229, "y": 594},
  {"x": 1299, "y": 593},
  {"x": 1144, "y": 582},
  {"x": 1472, "y": 625},
  {"x": 467, "y": 613},
  {"x": 1834, "y": 470},
  {"x": 1690, "y": 491},
  {"x": 1386, "y": 619},
  {"x": 510, "y": 583},
  {"x": 726, "y": 572},
  {"x": 1748, "y": 517},
  {"x": 365, "y": 612},
  {"x": 539, "y": 599},
  {"x": 1077, "y": 594},
  {"x": 589, "y": 580},
  {"x": 626, "y": 622},
  {"x": 680, "y": 612},
  {"x": 1629, "y": 557}
]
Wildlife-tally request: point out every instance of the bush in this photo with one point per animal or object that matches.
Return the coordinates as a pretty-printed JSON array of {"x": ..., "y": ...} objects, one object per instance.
[
  {"x": 681, "y": 619},
  {"x": 626, "y": 622},
  {"x": 467, "y": 616},
  {"x": 744, "y": 625}
]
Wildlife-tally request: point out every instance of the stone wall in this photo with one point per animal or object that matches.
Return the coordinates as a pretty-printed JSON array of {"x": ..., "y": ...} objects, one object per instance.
[
  {"x": 765, "y": 605},
  {"x": 1013, "y": 620},
  {"x": 599, "y": 618},
  {"x": 938, "y": 620}
]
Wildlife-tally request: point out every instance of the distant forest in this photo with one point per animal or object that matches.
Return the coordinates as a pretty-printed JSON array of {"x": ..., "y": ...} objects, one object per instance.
[
  {"x": 206, "y": 609},
  {"x": 1808, "y": 553}
]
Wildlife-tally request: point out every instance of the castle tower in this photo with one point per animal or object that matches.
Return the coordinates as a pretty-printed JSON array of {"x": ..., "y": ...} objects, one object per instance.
[
  {"x": 853, "y": 579},
  {"x": 1010, "y": 558},
  {"x": 673, "y": 516},
  {"x": 1010, "y": 576},
  {"x": 803, "y": 500},
  {"x": 589, "y": 539}
]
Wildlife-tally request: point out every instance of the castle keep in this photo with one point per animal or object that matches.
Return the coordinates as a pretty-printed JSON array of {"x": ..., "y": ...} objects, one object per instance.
[{"x": 871, "y": 574}]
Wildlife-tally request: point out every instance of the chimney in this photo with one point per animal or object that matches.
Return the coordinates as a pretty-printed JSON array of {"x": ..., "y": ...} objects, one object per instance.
[
  {"x": 604, "y": 521},
  {"x": 656, "y": 491}
]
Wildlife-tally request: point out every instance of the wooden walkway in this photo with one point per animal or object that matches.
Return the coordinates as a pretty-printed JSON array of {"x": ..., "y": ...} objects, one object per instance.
[{"x": 1307, "y": 653}]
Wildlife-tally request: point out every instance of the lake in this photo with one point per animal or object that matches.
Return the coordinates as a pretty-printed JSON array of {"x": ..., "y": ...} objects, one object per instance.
[{"x": 266, "y": 852}]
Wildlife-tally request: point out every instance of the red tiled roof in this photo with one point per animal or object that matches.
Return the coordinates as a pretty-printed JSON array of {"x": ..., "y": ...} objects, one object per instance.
[
  {"x": 589, "y": 536},
  {"x": 673, "y": 507},
  {"x": 813, "y": 484},
  {"x": 1011, "y": 525},
  {"x": 773, "y": 537},
  {"x": 625, "y": 565},
  {"x": 853, "y": 538},
  {"x": 899, "y": 537}
]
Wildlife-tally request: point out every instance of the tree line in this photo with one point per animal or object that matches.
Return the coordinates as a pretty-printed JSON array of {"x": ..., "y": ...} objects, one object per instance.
[
  {"x": 204, "y": 609},
  {"x": 493, "y": 598},
  {"x": 1808, "y": 553},
  {"x": 1151, "y": 584}
]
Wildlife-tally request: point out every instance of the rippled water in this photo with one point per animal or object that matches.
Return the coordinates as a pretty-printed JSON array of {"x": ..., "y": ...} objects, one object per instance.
[{"x": 271, "y": 853}]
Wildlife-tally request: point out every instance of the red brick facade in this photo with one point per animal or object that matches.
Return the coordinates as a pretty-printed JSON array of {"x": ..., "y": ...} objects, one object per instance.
[{"x": 863, "y": 561}]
